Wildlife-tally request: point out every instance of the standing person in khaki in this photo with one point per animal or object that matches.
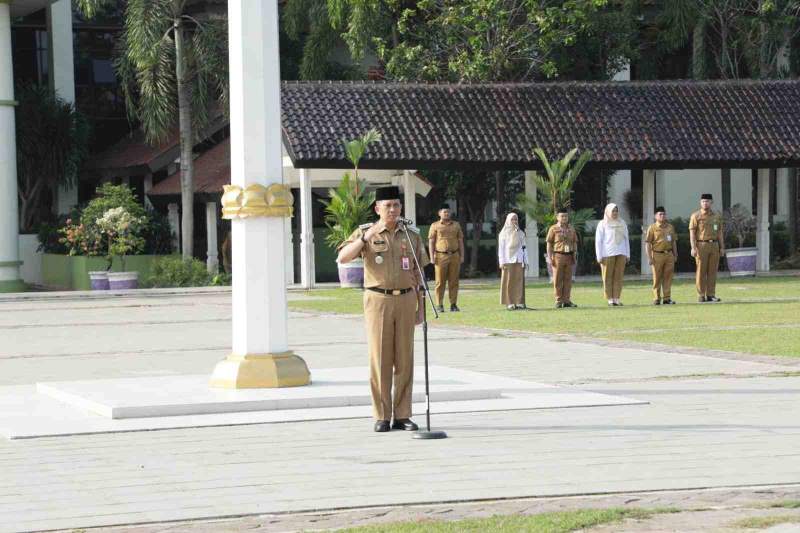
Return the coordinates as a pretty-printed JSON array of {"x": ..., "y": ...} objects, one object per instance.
[
  {"x": 708, "y": 245},
  {"x": 613, "y": 251},
  {"x": 661, "y": 243},
  {"x": 513, "y": 260},
  {"x": 562, "y": 247},
  {"x": 392, "y": 306},
  {"x": 446, "y": 244}
]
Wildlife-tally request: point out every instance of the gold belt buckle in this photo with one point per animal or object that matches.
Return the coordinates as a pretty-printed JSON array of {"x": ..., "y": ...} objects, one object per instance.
[{"x": 395, "y": 292}]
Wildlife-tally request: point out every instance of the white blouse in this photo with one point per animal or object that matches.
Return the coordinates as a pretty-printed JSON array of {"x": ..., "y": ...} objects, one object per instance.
[
  {"x": 604, "y": 245},
  {"x": 502, "y": 251}
]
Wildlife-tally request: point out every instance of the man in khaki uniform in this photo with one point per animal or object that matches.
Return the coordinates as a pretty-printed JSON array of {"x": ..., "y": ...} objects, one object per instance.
[
  {"x": 562, "y": 246},
  {"x": 662, "y": 252},
  {"x": 708, "y": 245},
  {"x": 446, "y": 243},
  {"x": 392, "y": 306}
]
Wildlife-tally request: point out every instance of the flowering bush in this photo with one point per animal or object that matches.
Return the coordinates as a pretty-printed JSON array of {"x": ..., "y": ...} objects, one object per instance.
[
  {"x": 123, "y": 232},
  {"x": 80, "y": 239}
]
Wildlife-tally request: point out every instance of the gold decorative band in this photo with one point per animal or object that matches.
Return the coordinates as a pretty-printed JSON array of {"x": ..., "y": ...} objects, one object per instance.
[
  {"x": 257, "y": 201},
  {"x": 11, "y": 103}
]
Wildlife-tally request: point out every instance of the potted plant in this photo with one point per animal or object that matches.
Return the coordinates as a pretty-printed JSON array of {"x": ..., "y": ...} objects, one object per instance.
[
  {"x": 554, "y": 191},
  {"x": 123, "y": 231},
  {"x": 739, "y": 224},
  {"x": 350, "y": 205}
]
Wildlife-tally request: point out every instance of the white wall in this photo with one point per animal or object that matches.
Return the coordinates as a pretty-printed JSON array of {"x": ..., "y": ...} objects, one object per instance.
[
  {"x": 679, "y": 190},
  {"x": 31, "y": 269}
]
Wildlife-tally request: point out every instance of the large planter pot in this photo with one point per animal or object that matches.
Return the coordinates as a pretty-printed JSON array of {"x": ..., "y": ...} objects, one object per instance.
[
  {"x": 742, "y": 261},
  {"x": 123, "y": 280},
  {"x": 351, "y": 274},
  {"x": 98, "y": 280}
]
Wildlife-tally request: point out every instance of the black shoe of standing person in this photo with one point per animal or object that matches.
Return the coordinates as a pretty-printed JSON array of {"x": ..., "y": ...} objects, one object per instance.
[
  {"x": 713, "y": 299},
  {"x": 440, "y": 308},
  {"x": 701, "y": 299},
  {"x": 658, "y": 302},
  {"x": 669, "y": 301},
  {"x": 559, "y": 305},
  {"x": 406, "y": 424},
  {"x": 570, "y": 304},
  {"x": 454, "y": 308},
  {"x": 381, "y": 426}
]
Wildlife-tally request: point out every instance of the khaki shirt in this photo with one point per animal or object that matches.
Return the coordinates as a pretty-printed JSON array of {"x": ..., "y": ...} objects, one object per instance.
[
  {"x": 395, "y": 269},
  {"x": 564, "y": 240},
  {"x": 707, "y": 226},
  {"x": 448, "y": 235},
  {"x": 661, "y": 237}
]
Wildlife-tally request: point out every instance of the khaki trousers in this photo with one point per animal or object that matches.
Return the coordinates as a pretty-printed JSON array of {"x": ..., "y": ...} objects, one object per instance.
[
  {"x": 707, "y": 265},
  {"x": 512, "y": 284},
  {"x": 447, "y": 268},
  {"x": 663, "y": 267},
  {"x": 390, "y": 337},
  {"x": 613, "y": 269},
  {"x": 562, "y": 277}
]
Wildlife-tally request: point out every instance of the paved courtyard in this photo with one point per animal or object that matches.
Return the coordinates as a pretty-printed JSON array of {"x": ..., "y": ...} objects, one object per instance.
[{"x": 712, "y": 421}]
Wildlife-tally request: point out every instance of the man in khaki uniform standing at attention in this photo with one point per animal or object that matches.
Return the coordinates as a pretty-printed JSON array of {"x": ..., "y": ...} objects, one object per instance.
[
  {"x": 446, "y": 243},
  {"x": 662, "y": 252},
  {"x": 392, "y": 306},
  {"x": 562, "y": 246},
  {"x": 708, "y": 245}
]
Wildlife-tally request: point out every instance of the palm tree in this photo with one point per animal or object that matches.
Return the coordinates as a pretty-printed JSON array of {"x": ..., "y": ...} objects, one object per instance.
[
  {"x": 171, "y": 62},
  {"x": 554, "y": 189}
]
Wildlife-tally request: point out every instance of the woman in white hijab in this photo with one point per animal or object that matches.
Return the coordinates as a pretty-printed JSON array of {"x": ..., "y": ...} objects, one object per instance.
[
  {"x": 513, "y": 259},
  {"x": 613, "y": 251}
]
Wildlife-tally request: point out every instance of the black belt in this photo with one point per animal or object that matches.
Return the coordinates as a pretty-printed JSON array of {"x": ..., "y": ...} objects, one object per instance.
[
  {"x": 662, "y": 251},
  {"x": 709, "y": 240},
  {"x": 448, "y": 252},
  {"x": 389, "y": 292},
  {"x": 565, "y": 253}
]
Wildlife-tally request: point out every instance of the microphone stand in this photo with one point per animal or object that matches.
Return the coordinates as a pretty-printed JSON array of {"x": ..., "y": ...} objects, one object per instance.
[{"x": 428, "y": 434}]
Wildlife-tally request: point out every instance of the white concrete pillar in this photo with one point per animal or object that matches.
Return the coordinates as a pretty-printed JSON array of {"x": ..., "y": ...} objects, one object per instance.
[
  {"x": 409, "y": 196},
  {"x": 148, "y": 186},
  {"x": 9, "y": 216},
  {"x": 762, "y": 220},
  {"x": 174, "y": 219},
  {"x": 62, "y": 77},
  {"x": 307, "y": 266},
  {"x": 212, "y": 254},
  {"x": 531, "y": 228},
  {"x": 258, "y": 205},
  {"x": 648, "y": 212}
]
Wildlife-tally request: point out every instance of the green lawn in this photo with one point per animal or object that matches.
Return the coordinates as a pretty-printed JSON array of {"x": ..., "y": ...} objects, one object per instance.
[
  {"x": 757, "y": 315},
  {"x": 557, "y": 522}
]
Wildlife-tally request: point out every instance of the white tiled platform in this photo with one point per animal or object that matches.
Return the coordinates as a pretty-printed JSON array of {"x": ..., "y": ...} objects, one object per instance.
[{"x": 166, "y": 402}]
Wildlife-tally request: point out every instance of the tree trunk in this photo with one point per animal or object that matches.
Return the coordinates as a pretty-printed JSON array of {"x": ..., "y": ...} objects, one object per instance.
[
  {"x": 187, "y": 141},
  {"x": 499, "y": 191},
  {"x": 699, "y": 50},
  {"x": 476, "y": 217}
]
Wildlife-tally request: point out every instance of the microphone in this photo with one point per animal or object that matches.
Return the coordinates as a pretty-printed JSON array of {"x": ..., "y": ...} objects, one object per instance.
[{"x": 406, "y": 221}]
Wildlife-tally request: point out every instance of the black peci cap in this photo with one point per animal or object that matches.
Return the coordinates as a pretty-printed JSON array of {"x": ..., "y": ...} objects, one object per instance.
[
  {"x": 444, "y": 206},
  {"x": 562, "y": 210},
  {"x": 660, "y": 209},
  {"x": 706, "y": 196},
  {"x": 387, "y": 193}
]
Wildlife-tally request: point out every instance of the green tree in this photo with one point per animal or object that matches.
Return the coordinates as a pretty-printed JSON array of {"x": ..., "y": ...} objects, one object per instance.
[
  {"x": 52, "y": 142},
  {"x": 172, "y": 61}
]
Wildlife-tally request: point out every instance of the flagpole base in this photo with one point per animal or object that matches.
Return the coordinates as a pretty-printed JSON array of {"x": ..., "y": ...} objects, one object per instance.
[
  {"x": 262, "y": 371},
  {"x": 429, "y": 435}
]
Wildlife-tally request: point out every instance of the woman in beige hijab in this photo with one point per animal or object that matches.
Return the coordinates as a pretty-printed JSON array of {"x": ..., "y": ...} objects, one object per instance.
[
  {"x": 513, "y": 259},
  {"x": 613, "y": 251}
]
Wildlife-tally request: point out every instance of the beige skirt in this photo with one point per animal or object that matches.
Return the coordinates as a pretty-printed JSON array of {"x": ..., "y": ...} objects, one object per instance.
[{"x": 512, "y": 284}]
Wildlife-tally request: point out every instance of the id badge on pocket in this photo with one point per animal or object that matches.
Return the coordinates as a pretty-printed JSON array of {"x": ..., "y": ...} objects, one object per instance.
[
  {"x": 567, "y": 248},
  {"x": 669, "y": 238},
  {"x": 405, "y": 262},
  {"x": 716, "y": 227}
]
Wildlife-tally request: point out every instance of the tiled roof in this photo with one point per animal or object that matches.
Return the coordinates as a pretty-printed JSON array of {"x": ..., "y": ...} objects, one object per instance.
[
  {"x": 132, "y": 156},
  {"x": 212, "y": 170},
  {"x": 674, "y": 124}
]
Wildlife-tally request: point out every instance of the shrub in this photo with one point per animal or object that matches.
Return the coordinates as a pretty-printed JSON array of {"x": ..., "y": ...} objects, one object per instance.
[{"x": 175, "y": 271}]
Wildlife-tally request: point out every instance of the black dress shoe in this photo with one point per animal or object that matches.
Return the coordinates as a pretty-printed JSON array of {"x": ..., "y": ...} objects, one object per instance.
[
  {"x": 440, "y": 308},
  {"x": 658, "y": 302},
  {"x": 381, "y": 426},
  {"x": 669, "y": 301},
  {"x": 454, "y": 308},
  {"x": 559, "y": 305},
  {"x": 701, "y": 299},
  {"x": 406, "y": 424},
  {"x": 570, "y": 304},
  {"x": 712, "y": 299}
]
